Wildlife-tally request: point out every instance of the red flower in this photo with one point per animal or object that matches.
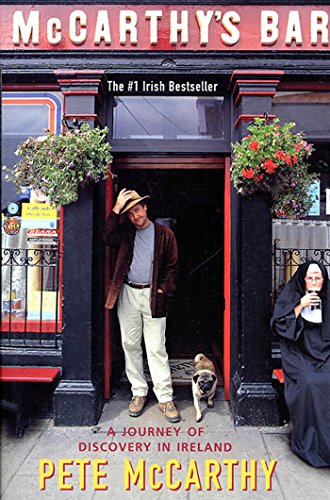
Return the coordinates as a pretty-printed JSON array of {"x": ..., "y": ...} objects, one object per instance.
[
  {"x": 270, "y": 166},
  {"x": 248, "y": 173},
  {"x": 279, "y": 154},
  {"x": 254, "y": 145},
  {"x": 298, "y": 147},
  {"x": 288, "y": 160},
  {"x": 295, "y": 159},
  {"x": 259, "y": 178}
]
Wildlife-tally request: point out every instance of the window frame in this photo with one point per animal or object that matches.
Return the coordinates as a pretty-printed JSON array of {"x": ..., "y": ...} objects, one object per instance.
[
  {"x": 30, "y": 327},
  {"x": 180, "y": 146}
]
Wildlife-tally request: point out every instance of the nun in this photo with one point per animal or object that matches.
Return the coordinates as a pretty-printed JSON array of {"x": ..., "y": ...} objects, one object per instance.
[{"x": 302, "y": 320}]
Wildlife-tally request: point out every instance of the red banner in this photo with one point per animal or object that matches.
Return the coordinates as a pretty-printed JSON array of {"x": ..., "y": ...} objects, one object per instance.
[{"x": 164, "y": 27}]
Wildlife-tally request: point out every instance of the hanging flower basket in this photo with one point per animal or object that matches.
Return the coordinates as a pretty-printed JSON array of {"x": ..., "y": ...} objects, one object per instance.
[
  {"x": 57, "y": 165},
  {"x": 273, "y": 159}
]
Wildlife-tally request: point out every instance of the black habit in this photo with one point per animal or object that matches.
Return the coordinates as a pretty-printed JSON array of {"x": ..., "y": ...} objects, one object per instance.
[{"x": 305, "y": 349}]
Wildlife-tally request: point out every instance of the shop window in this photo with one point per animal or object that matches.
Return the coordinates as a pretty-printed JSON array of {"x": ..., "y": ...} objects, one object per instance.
[
  {"x": 31, "y": 229},
  {"x": 295, "y": 241},
  {"x": 309, "y": 110},
  {"x": 168, "y": 118}
]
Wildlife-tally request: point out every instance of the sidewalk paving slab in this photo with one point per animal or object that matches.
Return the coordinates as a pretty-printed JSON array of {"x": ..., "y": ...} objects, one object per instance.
[{"x": 292, "y": 479}]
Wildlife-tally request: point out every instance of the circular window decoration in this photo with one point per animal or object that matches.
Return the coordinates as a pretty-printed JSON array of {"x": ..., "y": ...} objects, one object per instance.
[
  {"x": 11, "y": 225},
  {"x": 13, "y": 208}
]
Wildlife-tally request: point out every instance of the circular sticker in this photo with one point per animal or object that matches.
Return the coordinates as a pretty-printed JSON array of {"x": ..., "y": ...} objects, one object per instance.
[
  {"x": 13, "y": 208},
  {"x": 11, "y": 225}
]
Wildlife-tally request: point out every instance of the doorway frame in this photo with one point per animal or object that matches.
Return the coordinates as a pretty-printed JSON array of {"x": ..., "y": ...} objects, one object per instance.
[{"x": 166, "y": 162}]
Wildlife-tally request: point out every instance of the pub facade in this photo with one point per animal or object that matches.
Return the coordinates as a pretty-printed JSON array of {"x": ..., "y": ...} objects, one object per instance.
[{"x": 176, "y": 83}]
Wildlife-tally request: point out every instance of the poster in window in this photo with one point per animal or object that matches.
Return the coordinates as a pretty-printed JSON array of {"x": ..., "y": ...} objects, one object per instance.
[{"x": 314, "y": 191}]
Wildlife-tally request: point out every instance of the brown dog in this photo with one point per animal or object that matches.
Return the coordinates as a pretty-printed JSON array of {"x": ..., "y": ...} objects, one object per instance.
[{"x": 204, "y": 383}]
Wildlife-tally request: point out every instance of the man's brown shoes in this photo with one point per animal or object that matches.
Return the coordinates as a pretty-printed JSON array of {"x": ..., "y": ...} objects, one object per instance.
[
  {"x": 171, "y": 413},
  {"x": 136, "y": 406}
]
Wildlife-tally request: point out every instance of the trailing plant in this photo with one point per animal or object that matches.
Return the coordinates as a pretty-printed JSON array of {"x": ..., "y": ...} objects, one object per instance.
[
  {"x": 57, "y": 165},
  {"x": 272, "y": 158}
]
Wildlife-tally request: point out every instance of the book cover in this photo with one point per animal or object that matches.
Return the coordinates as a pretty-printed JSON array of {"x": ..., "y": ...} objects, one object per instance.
[{"x": 176, "y": 84}]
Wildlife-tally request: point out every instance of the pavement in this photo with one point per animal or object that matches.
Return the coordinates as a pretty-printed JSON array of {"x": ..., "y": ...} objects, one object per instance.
[{"x": 148, "y": 458}]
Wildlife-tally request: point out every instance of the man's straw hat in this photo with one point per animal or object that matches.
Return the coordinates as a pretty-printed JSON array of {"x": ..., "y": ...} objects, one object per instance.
[{"x": 134, "y": 200}]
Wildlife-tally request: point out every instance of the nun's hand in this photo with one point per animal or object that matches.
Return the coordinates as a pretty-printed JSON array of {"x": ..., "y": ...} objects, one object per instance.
[{"x": 310, "y": 299}]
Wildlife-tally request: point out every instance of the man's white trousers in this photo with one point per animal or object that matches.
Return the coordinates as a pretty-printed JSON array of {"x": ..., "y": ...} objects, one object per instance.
[{"x": 135, "y": 320}]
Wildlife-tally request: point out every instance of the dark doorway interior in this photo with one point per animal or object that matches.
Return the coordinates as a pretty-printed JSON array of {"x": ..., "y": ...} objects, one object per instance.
[{"x": 194, "y": 200}]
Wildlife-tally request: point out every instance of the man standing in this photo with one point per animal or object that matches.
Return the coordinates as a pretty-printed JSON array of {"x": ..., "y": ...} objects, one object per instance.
[{"x": 145, "y": 275}]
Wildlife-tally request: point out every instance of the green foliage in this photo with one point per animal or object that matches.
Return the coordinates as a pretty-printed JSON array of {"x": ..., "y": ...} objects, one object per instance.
[
  {"x": 57, "y": 165},
  {"x": 274, "y": 159}
]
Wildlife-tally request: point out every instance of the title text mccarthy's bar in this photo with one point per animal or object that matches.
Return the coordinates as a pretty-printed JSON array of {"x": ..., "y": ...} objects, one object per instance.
[{"x": 164, "y": 27}]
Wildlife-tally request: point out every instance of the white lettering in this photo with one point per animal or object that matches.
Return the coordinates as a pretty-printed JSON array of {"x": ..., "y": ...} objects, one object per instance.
[
  {"x": 203, "y": 23},
  {"x": 127, "y": 24},
  {"x": 26, "y": 30},
  {"x": 102, "y": 28},
  {"x": 54, "y": 35},
  {"x": 229, "y": 19},
  {"x": 153, "y": 16},
  {"x": 77, "y": 27},
  {"x": 319, "y": 24},
  {"x": 269, "y": 27},
  {"x": 293, "y": 30},
  {"x": 279, "y": 29},
  {"x": 177, "y": 27}
]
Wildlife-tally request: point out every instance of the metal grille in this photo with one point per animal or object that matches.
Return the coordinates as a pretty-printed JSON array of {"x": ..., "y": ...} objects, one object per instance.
[
  {"x": 30, "y": 301},
  {"x": 286, "y": 261}
]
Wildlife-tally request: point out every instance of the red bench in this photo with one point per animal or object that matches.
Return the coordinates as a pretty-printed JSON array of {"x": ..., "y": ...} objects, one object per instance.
[
  {"x": 20, "y": 375},
  {"x": 28, "y": 374},
  {"x": 279, "y": 374},
  {"x": 278, "y": 377}
]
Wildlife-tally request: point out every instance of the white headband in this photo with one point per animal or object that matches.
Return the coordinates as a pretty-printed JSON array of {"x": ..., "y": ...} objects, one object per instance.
[{"x": 313, "y": 268}]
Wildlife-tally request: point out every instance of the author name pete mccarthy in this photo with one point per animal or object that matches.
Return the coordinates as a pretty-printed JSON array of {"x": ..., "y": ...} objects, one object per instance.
[{"x": 210, "y": 474}]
